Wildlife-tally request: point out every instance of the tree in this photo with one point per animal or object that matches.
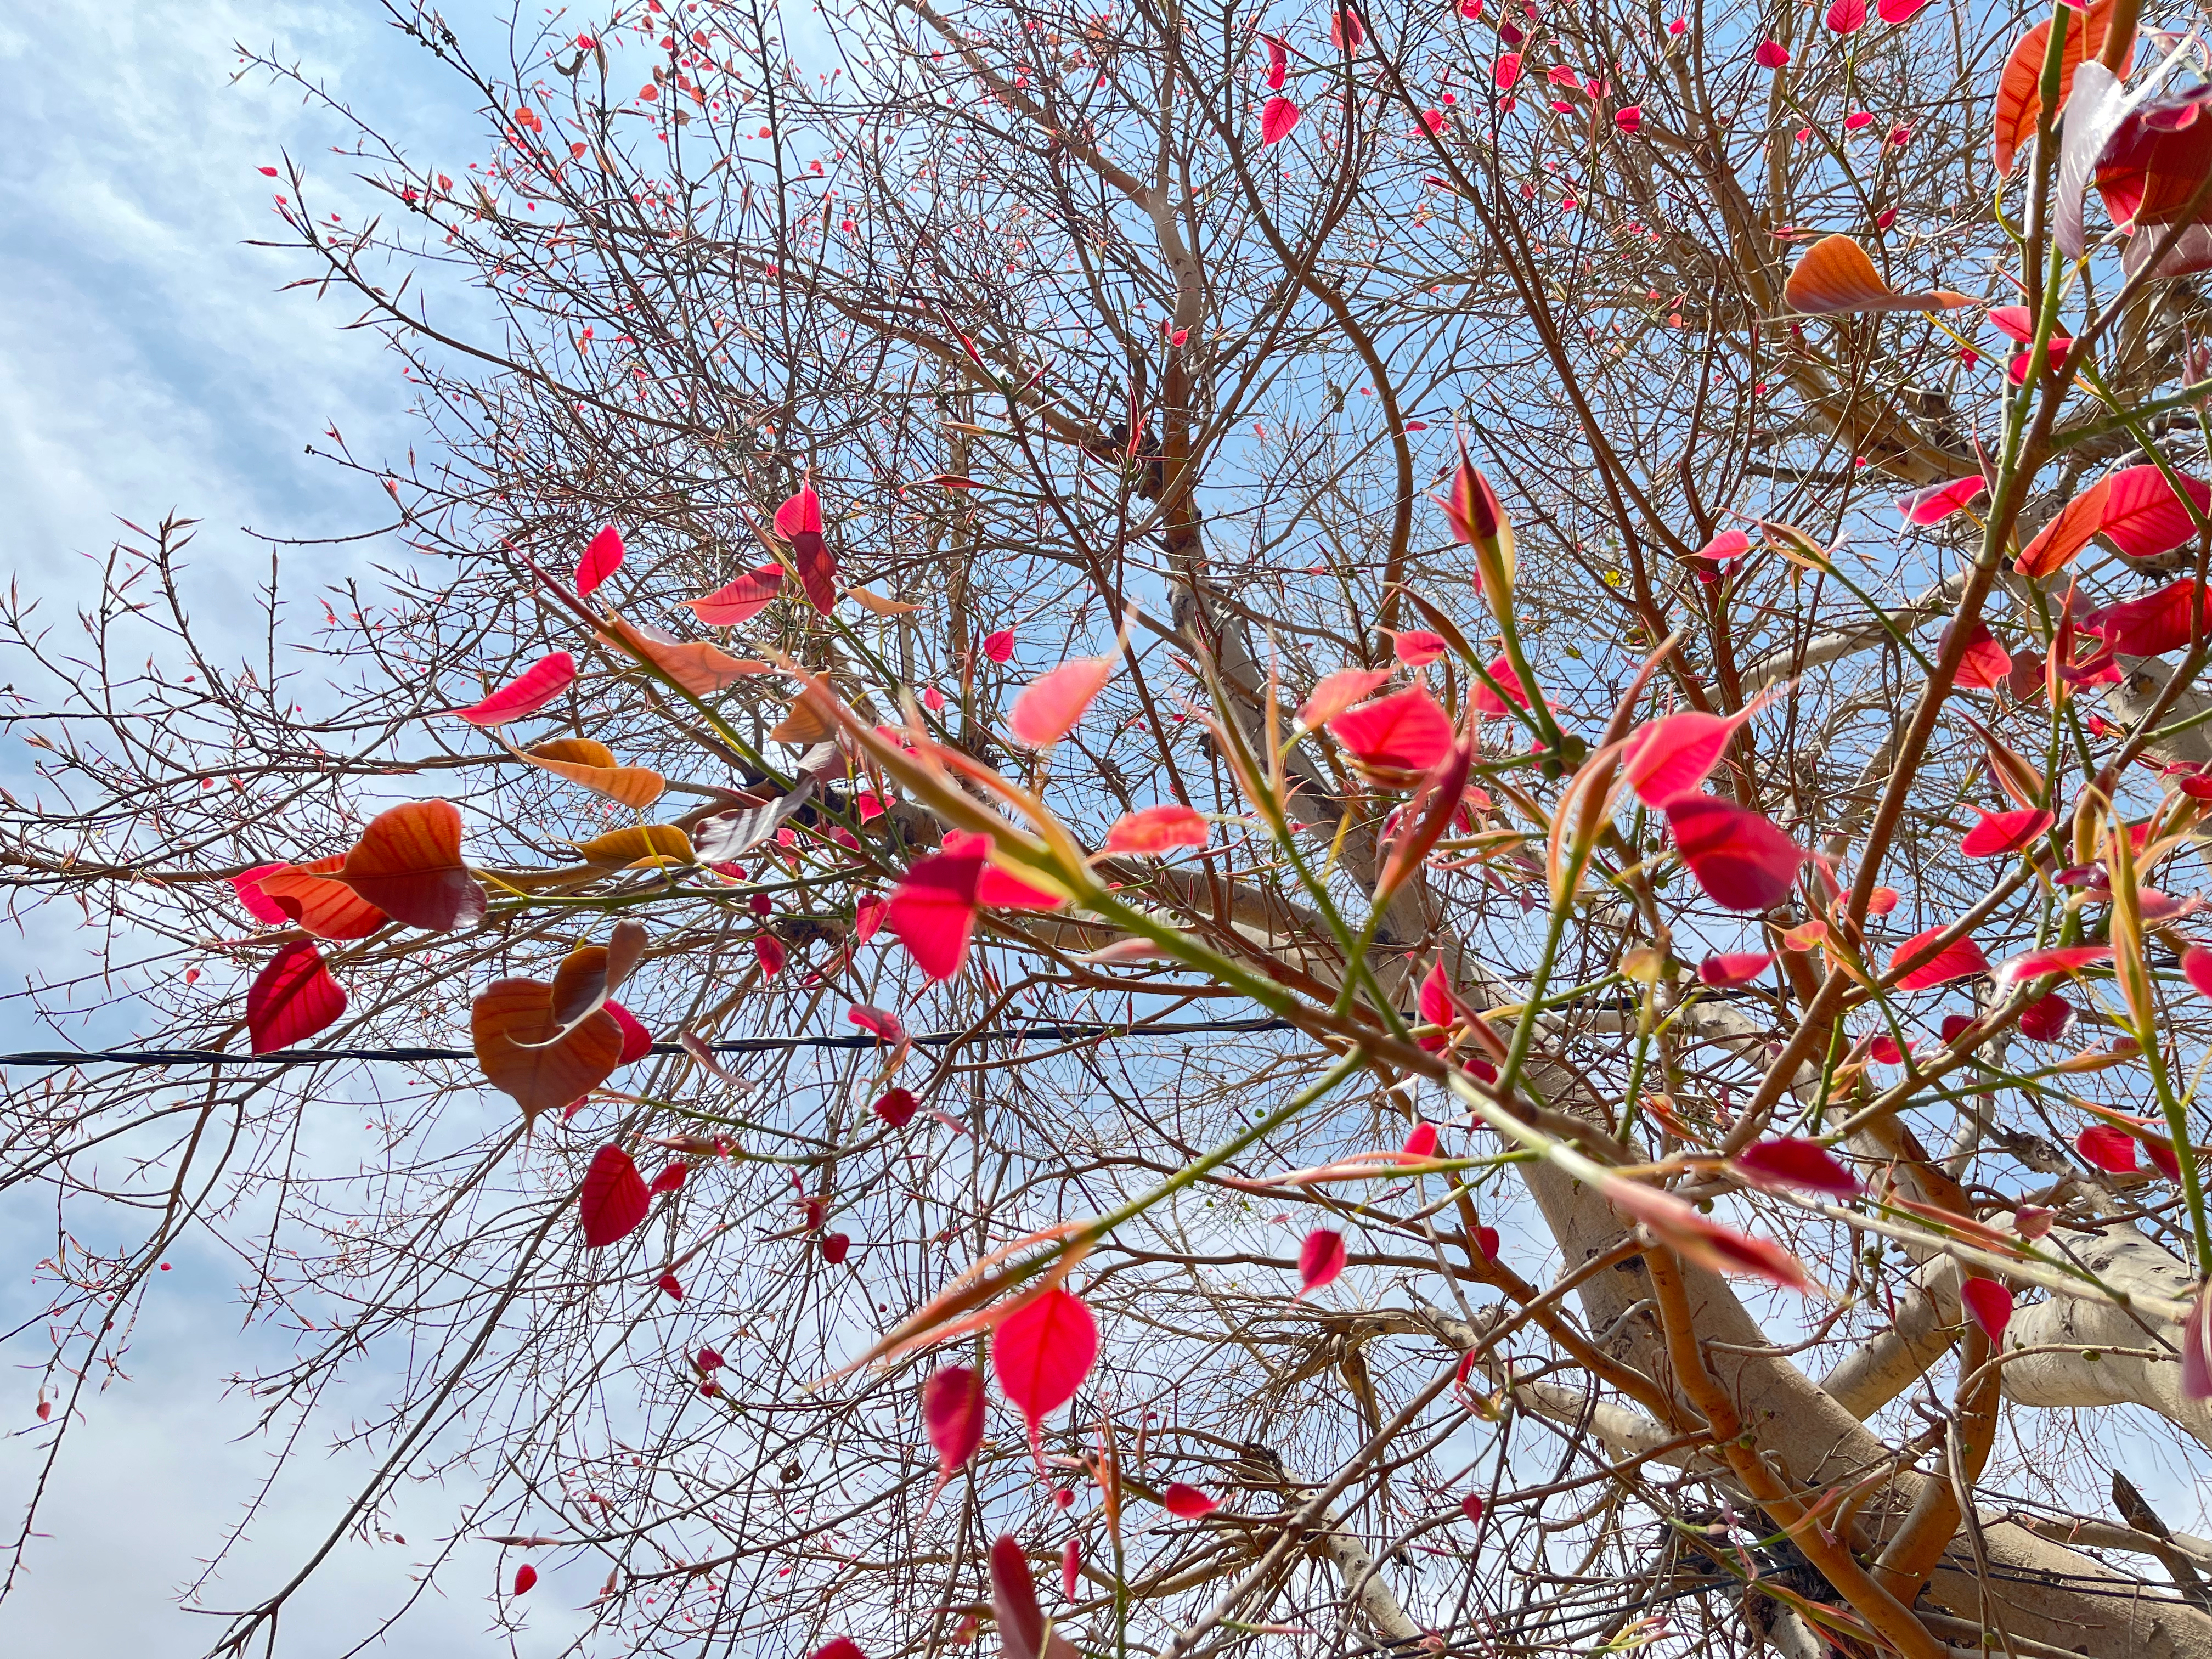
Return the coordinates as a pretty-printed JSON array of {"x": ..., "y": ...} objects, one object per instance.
[{"x": 926, "y": 577}]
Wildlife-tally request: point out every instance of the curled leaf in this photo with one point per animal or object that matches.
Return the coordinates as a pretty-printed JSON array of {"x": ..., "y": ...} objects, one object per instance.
[
  {"x": 738, "y": 602},
  {"x": 526, "y": 694},
  {"x": 521, "y": 1053},
  {"x": 589, "y": 763},
  {"x": 1738, "y": 856},
  {"x": 1834, "y": 274}
]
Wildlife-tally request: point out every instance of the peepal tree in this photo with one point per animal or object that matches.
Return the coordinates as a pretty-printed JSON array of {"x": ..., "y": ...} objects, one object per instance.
[{"x": 1286, "y": 830}]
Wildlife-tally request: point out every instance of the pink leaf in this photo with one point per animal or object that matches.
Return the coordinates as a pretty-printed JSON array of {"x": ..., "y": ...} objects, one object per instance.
[
  {"x": 953, "y": 1413},
  {"x": 868, "y": 912},
  {"x": 998, "y": 647},
  {"x": 1422, "y": 1143},
  {"x": 1321, "y": 1259},
  {"x": 1984, "y": 663},
  {"x": 841, "y": 1647},
  {"x": 602, "y": 558},
  {"x": 2110, "y": 1150},
  {"x": 800, "y": 514},
  {"x": 1770, "y": 54},
  {"x": 1629, "y": 118},
  {"x": 613, "y": 1202},
  {"x": 1470, "y": 1507},
  {"x": 526, "y": 694},
  {"x": 1788, "y": 1161},
  {"x": 1939, "y": 501},
  {"x": 1728, "y": 544},
  {"x": 1401, "y": 736},
  {"x": 1679, "y": 1226},
  {"x": 636, "y": 1041},
  {"x": 1277, "y": 117},
  {"x": 768, "y": 949},
  {"x": 933, "y": 911},
  {"x": 1885, "y": 1050},
  {"x": 2197, "y": 1349},
  {"x": 1048, "y": 709},
  {"x": 740, "y": 601},
  {"x": 1990, "y": 1305},
  {"x": 1731, "y": 972},
  {"x": 1741, "y": 860},
  {"x": 2196, "y": 969},
  {"x": 1846, "y": 16},
  {"x": 1665, "y": 758},
  {"x": 2000, "y": 833},
  {"x": 291, "y": 998},
  {"x": 1337, "y": 692},
  {"x": 1156, "y": 829},
  {"x": 2144, "y": 517},
  {"x": 1041, "y": 1353},
  {"x": 884, "y": 1024},
  {"x": 2047, "y": 1020},
  {"x": 259, "y": 905},
  {"x": 1506, "y": 72},
  {"x": 1278, "y": 63},
  {"x": 1962, "y": 959},
  {"x": 1487, "y": 701},
  {"x": 897, "y": 1106},
  {"x": 1900, "y": 11},
  {"x": 1416, "y": 647},
  {"x": 1188, "y": 1502},
  {"x": 2036, "y": 964}
]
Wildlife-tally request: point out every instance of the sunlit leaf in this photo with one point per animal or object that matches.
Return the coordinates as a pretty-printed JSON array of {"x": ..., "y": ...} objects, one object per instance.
[
  {"x": 526, "y": 694},
  {"x": 1321, "y": 1259},
  {"x": 1990, "y": 1306},
  {"x": 613, "y": 1202},
  {"x": 2000, "y": 833},
  {"x": 738, "y": 602},
  {"x": 1728, "y": 972},
  {"x": 1187, "y": 1501},
  {"x": 700, "y": 668},
  {"x": 1834, "y": 274},
  {"x": 2019, "y": 87},
  {"x": 952, "y": 1414},
  {"x": 1397, "y": 738},
  {"x": 649, "y": 844},
  {"x": 1335, "y": 693},
  {"x": 1050, "y": 706},
  {"x": 311, "y": 896},
  {"x": 1277, "y": 117},
  {"x": 1159, "y": 829},
  {"x": 408, "y": 864},
  {"x": 1738, "y": 856},
  {"x": 1962, "y": 959},
  {"x": 511, "y": 1023},
  {"x": 602, "y": 558},
  {"x": 291, "y": 998},
  {"x": 1787, "y": 1161},
  {"x": 591, "y": 763}
]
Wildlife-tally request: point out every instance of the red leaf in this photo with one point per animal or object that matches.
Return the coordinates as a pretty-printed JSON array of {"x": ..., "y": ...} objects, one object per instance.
[
  {"x": 1321, "y": 1259},
  {"x": 602, "y": 558},
  {"x": 933, "y": 911},
  {"x": 636, "y": 1041},
  {"x": 817, "y": 569},
  {"x": 1278, "y": 63},
  {"x": 1885, "y": 1050},
  {"x": 881, "y": 1022},
  {"x": 1487, "y": 701},
  {"x": 1486, "y": 1240},
  {"x": 2035, "y": 964},
  {"x": 670, "y": 1180},
  {"x": 1990, "y": 1305},
  {"x": 1014, "y": 1607},
  {"x": 1678, "y": 1226},
  {"x": 2108, "y": 1149},
  {"x": 1894, "y": 12},
  {"x": 1999, "y": 833},
  {"x": 1788, "y": 1161},
  {"x": 952, "y": 1413},
  {"x": 1960, "y": 960},
  {"x": 897, "y": 1106},
  {"x": 408, "y": 864},
  {"x": 259, "y": 905},
  {"x": 2147, "y": 627},
  {"x": 1730, "y": 972},
  {"x": 291, "y": 998},
  {"x": 613, "y": 1201},
  {"x": 1400, "y": 736},
  {"x": 1071, "y": 1562},
  {"x": 526, "y": 1575},
  {"x": 1985, "y": 662},
  {"x": 670, "y": 1285},
  {"x": 2154, "y": 164},
  {"x": 1939, "y": 501},
  {"x": 1846, "y": 16},
  {"x": 1422, "y": 1143},
  {"x": 2047, "y": 1020},
  {"x": 1041, "y": 1351},
  {"x": 2019, "y": 90},
  {"x": 1470, "y": 1507},
  {"x": 740, "y": 601},
  {"x": 1741, "y": 860},
  {"x": 1156, "y": 829},
  {"x": 2196, "y": 969},
  {"x": 1770, "y": 54},
  {"x": 524, "y": 695},
  {"x": 1335, "y": 693},
  {"x": 769, "y": 951},
  {"x": 1188, "y": 1502},
  {"x": 1277, "y": 117},
  {"x": 1728, "y": 544},
  {"x": 835, "y": 1247},
  {"x": 998, "y": 647},
  {"x": 1048, "y": 710},
  {"x": 868, "y": 912},
  {"x": 2144, "y": 517},
  {"x": 800, "y": 513},
  {"x": 841, "y": 1647},
  {"x": 1665, "y": 758}
]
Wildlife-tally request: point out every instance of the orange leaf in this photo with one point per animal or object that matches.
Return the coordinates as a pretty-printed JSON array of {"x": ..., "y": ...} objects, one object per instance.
[
  {"x": 1835, "y": 275},
  {"x": 320, "y": 905},
  {"x": 408, "y": 864},
  {"x": 513, "y": 1014},
  {"x": 644, "y": 843},
  {"x": 880, "y": 605},
  {"x": 2019, "y": 90},
  {"x": 2066, "y": 534},
  {"x": 590, "y": 763},
  {"x": 695, "y": 665}
]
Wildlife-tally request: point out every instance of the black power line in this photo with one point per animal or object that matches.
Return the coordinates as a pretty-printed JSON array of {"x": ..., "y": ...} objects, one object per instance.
[{"x": 1048, "y": 1031}]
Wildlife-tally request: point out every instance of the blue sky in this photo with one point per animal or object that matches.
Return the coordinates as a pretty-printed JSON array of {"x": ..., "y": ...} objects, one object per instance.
[{"x": 148, "y": 364}]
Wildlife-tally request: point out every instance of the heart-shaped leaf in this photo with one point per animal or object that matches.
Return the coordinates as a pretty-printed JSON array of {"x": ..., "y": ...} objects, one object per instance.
[
  {"x": 408, "y": 864},
  {"x": 613, "y": 1202},
  {"x": 1041, "y": 1353},
  {"x": 512, "y": 1027},
  {"x": 291, "y": 998},
  {"x": 311, "y": 896}
]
